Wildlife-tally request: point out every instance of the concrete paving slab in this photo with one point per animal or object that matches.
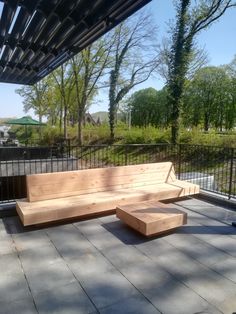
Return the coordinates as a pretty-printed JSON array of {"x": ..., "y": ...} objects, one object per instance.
[
  {"x": 163, "y": 290},
  {"x": 137, "y": 304},
  {"x": 108, "y": 288},
  {"x": 13, "y": 286},
  {"x": 50, "y": 277},
  {"x": 7, "y": 246},
  {"x": 39, "y": 258},
  {"x": 224, "y": 243},
  {"x": 212, "y": 287},
  {"x": 68, "y": 299},
  {"x": 179, "y": 299},
  {"x": 23, "y": 306},
  {"x": 89, "y": 227},
  {"x": 103, "y": 239},
  {"x": 89, "y": 264},
  {"x": 122, "y": 256},
  {"x": 10, "y": 263},
  {"x": 70, "y": 243},
  {"x": 32, "y": 239},
  {"x": 197, "y": 249},
  {"x": 226, "y": 268}
]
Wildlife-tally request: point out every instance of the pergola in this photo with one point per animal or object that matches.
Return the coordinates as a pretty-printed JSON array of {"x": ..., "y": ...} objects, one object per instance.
[{"x": 36, "y": 36}]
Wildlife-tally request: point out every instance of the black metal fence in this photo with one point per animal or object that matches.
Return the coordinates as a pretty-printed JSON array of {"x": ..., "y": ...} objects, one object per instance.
[{"x": 213, "y": 168}]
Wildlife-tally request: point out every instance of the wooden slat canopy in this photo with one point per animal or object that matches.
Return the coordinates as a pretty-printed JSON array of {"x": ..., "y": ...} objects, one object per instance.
[{"x": 36, "y": 36}]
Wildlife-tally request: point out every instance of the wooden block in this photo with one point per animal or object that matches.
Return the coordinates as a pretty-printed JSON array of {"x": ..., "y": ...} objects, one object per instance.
[{"x": 151, "y": 218}]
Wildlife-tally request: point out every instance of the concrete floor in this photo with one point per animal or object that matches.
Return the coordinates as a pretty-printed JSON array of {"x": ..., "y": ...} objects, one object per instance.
[{"x": 102, "y": 266}]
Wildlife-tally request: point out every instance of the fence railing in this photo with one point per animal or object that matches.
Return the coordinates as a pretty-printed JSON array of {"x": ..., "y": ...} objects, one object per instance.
[{"x": 213, "y": 168}]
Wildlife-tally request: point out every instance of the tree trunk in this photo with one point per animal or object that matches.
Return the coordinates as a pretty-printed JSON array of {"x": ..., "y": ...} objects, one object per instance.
[
  {"x": 80, "y": 128},
  {"x": 206, "y": 122},
  {"x": 112, "y": 102}
]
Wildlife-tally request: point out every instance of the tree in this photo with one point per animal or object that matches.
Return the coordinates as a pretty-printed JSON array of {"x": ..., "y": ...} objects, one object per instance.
[
  {"x": 134, "y": 60},
  {"x": 206, "y": 98},
  {"x": 148, "y": 107},
  {"x": 190, "y": 21},
  {"x": 231, "y": 106},
  {"x": 34, "y": 97},
  {"x": 198, "y": 59},
  {"x": 88, "y": 68},
  {"x": 63, "y": 81}
]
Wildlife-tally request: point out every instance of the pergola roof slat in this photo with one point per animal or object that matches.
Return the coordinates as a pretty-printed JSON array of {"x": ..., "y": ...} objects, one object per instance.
[{"x": 36, "y": 36}]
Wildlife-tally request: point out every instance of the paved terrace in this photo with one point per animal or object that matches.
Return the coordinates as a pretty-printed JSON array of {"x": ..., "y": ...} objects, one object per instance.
[{"x": 102, "y": 266}]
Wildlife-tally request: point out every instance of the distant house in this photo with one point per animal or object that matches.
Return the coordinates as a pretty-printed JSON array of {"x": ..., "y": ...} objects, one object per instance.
[
  {"x": 88, "y": 119},
  {"x": 4, "y": 131}
]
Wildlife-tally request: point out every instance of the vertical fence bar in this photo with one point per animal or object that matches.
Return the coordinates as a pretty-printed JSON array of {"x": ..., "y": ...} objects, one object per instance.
[
  {"x": 126, "y": 155},
  {"x": 231, "y": 173},
  {"x": 179, "y": 159}
]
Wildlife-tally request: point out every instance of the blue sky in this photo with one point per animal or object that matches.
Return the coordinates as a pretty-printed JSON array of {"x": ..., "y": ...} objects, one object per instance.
[{"x": 219, "y": 41}]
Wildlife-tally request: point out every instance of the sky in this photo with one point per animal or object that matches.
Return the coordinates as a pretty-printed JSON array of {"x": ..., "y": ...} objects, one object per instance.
[{"x": 219, "y": 41}]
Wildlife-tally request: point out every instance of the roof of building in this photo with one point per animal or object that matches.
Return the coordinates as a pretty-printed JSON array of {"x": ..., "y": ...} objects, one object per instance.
[{"x": 36, "y": 36}]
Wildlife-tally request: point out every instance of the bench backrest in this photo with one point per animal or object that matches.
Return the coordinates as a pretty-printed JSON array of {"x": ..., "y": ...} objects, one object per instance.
[{"x": 70, "y": 183}]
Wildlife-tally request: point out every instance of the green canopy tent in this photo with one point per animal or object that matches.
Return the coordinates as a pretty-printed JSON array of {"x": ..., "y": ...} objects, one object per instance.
[{"x": 25, "y": 121}]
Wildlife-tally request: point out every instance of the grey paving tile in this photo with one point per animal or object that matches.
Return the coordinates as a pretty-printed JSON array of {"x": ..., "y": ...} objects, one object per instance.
[
  {"x": 204, "y": 281},
  {"x": 196, "y": 248},
  {"x": 108, "y": 219},
  {"x": 23, "y": 306},
  {"x": 6, "y": 246},
  {"x": 39, "y": 257},
  {"x": 49, "y": 277},
  {"x": 103, "y": 239},
  {"x": 68, "y": 299},
  {"x": 212, "y": 287},
  {"x": 174, "y": 299},
  {"x": 69, "y": 242},
  {"x": 122, "y": 256},
  {"x": 10, "y": 263},
  {"x": 225, "y": 244},
  {"x": 227, "y": 268},
  {"x": 228, "y": 306},
  {"x": 107, "y": 288},
  {"x": 3, "y": 230},
  {"x": 134, "y": 305},
  {"x": 32, "y": 239},
  {"x": 163, "y": 290},
  {"x": 89, "y": 264},
  {"x": 90, "y": 227},
  {"x": 13, "y": 286}
]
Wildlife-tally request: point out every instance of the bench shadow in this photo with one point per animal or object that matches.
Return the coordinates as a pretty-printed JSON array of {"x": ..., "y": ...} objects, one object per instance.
[
  {"x": 129, "y": 236},
  {"x": 217, "y": 230}
]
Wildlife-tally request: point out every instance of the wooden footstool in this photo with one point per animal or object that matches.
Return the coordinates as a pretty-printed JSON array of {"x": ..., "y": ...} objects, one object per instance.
[{"x": 151, "y": 218}]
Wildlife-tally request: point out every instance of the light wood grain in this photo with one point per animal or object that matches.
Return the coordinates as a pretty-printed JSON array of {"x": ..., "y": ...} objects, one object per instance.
[
  {"x": 63, "y": 184},
  {"x": 151, "y": 218},
  {"x": 63, "y": 195}
]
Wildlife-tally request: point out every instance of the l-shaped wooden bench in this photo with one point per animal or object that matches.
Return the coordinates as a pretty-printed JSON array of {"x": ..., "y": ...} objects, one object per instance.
[{"x": 62, "y": 195}]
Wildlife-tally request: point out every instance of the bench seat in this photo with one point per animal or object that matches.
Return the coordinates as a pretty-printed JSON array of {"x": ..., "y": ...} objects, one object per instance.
[{"x": 99, "y": 203}]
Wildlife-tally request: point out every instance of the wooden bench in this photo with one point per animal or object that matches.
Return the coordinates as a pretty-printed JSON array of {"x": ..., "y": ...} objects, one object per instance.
[
  {"x": 82, "y": 193},
  {"x": 152, "y": 217}
]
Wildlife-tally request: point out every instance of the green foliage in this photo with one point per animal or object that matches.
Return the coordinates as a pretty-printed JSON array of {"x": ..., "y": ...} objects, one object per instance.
[
  {"x": 190, "y": 20},
  {"x": 209, "y": 101},
  {"x": 149, "y": 107}
]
